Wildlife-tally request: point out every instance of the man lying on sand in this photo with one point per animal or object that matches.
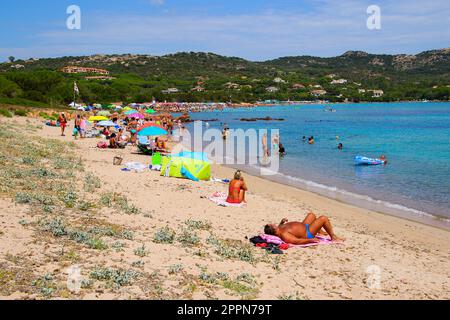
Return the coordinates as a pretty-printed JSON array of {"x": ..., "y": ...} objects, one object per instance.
[{"x": 302, "y": 232}]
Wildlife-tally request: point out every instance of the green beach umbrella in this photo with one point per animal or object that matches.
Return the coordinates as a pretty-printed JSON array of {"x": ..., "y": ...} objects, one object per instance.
[
  {"x": 150, "y": 111},
  {"x": 104, "y": 113}
]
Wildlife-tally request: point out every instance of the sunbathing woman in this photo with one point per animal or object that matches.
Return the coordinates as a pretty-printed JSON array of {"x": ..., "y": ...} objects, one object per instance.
[
  {"x": 237, "y": 189},
  {"x": 302, "y": 232}
]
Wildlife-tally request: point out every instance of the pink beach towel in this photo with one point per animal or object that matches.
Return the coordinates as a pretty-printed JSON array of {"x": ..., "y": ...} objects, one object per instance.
[
  {"x": 220, "y": 199},
  {"x": 277, "y": 241}
]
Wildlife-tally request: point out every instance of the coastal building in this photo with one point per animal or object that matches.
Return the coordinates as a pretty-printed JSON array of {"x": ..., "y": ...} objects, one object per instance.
[
  {"x": 272, "y": 89},
  {"x": 361, "y": 90},
  {"x": 298, "y": 86},
  {"x": 170, "y": 91},
  {"x": 339, "y": 81},
  {"x": 377, "y": 93},
  {"x": 18, "y": 66},
  {"x": 75, "y": 69},
  {"x": 331, "y": 76},
  {"x": 279, "y": 80},
  {"x": 198, "y": 89},
  {"x": 318, "y": 93},
  {"x": 231, "y": 85}
]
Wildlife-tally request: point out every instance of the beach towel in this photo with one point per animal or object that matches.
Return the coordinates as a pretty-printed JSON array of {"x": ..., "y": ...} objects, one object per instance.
[
  {"x": 277, "y": 241},
  {"x": 135, "y": 166},
  {"x": 220, "y": 199}
]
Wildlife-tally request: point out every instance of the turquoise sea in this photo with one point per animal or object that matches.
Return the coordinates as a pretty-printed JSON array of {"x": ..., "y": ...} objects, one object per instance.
[{"x": 415, "y": 138}]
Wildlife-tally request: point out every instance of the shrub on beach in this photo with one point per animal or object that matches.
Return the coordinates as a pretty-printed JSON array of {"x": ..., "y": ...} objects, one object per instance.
[
  {"x": 199, "y": 225},
  {"x": 188, "y": 238},
  {"x": 164, "y": 235},
  {"x": 21, "y": 113},
  {"x": 5, "y": 113},
  {"x": 116, "y": 277}
]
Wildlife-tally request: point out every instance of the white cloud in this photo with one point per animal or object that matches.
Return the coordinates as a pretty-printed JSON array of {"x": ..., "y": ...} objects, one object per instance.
[{"x": 157, "y": 2}]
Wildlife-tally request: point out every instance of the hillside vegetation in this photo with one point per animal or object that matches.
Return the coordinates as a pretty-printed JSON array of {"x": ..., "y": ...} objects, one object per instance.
[{"x": 139, "y": 78}]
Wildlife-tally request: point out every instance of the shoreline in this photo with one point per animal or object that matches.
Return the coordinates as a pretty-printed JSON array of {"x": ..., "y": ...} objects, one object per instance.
[{"x": 360, "y": 201}]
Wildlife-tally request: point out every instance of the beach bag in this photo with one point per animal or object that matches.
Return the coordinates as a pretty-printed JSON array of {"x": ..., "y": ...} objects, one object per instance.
[
  {"x": 117, "y": 161},
  {"x": 102, "y": 145}
]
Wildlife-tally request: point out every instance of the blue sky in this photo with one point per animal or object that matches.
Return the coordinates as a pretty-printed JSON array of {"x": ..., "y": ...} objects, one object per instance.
[{"x": 251, "y": 29}]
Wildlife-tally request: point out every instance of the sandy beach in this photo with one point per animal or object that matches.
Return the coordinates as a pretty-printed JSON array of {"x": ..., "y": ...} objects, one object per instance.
[{"x": 412, "y": 259}]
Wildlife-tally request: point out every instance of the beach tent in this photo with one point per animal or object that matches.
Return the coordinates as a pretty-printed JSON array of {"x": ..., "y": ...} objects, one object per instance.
[{"x": 189, "y": 165}]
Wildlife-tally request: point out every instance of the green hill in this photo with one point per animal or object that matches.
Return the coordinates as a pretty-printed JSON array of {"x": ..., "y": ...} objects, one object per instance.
[{"x": 139, "y": 78}]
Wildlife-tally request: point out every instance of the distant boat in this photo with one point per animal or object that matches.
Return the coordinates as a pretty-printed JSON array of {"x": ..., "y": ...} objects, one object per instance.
[{"x": 329, "y": 109}]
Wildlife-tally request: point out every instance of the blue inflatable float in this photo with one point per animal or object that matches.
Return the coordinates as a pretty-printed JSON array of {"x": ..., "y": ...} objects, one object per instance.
[{"x": 365, "y": 161}]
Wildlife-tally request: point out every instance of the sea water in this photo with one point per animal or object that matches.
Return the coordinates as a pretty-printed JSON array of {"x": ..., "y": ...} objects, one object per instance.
[{"x": 414, "y": 137}]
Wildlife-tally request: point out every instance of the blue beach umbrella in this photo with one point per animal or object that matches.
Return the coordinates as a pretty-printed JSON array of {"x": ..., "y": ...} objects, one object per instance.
[
  {"x": 152, "y": 132},
  {"x": 106, "y": 124}
]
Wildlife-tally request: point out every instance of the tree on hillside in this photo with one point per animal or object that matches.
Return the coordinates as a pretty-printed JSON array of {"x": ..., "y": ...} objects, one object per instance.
[{"x": 11, "y": 59}]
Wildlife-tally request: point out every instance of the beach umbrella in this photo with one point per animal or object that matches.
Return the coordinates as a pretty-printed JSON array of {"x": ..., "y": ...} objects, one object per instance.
[
  {"x": 127, "y": 109},
  {"x": 152, "y": 131},
  {"x": 150, "y": 111},
  {"x": 104, "y": 113},
  {"x": 132, "y": 111},
  {"x": 136, "y": 116},
  {"x": 106, "y": 124},
  {"x": 98, "y": 118},
  {"x": 150, "y": 125}
]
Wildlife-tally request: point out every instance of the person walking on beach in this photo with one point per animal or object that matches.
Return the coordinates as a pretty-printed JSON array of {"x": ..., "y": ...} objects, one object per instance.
[
  {"x": 237, "y": 189},
  {"x": 83, "y": 125},
  {"x": 77, "y": 123},
  {"x": 62, "y": 123},
  {"x": 302, "y": 232}
]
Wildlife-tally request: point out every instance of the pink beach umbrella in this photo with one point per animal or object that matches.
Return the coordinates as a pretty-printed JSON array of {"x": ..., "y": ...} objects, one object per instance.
[{"x": 136, "y": 116}]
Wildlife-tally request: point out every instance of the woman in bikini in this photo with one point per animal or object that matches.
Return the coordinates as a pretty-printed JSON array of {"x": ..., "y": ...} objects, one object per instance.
[{"x": 237, "y": 189}]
